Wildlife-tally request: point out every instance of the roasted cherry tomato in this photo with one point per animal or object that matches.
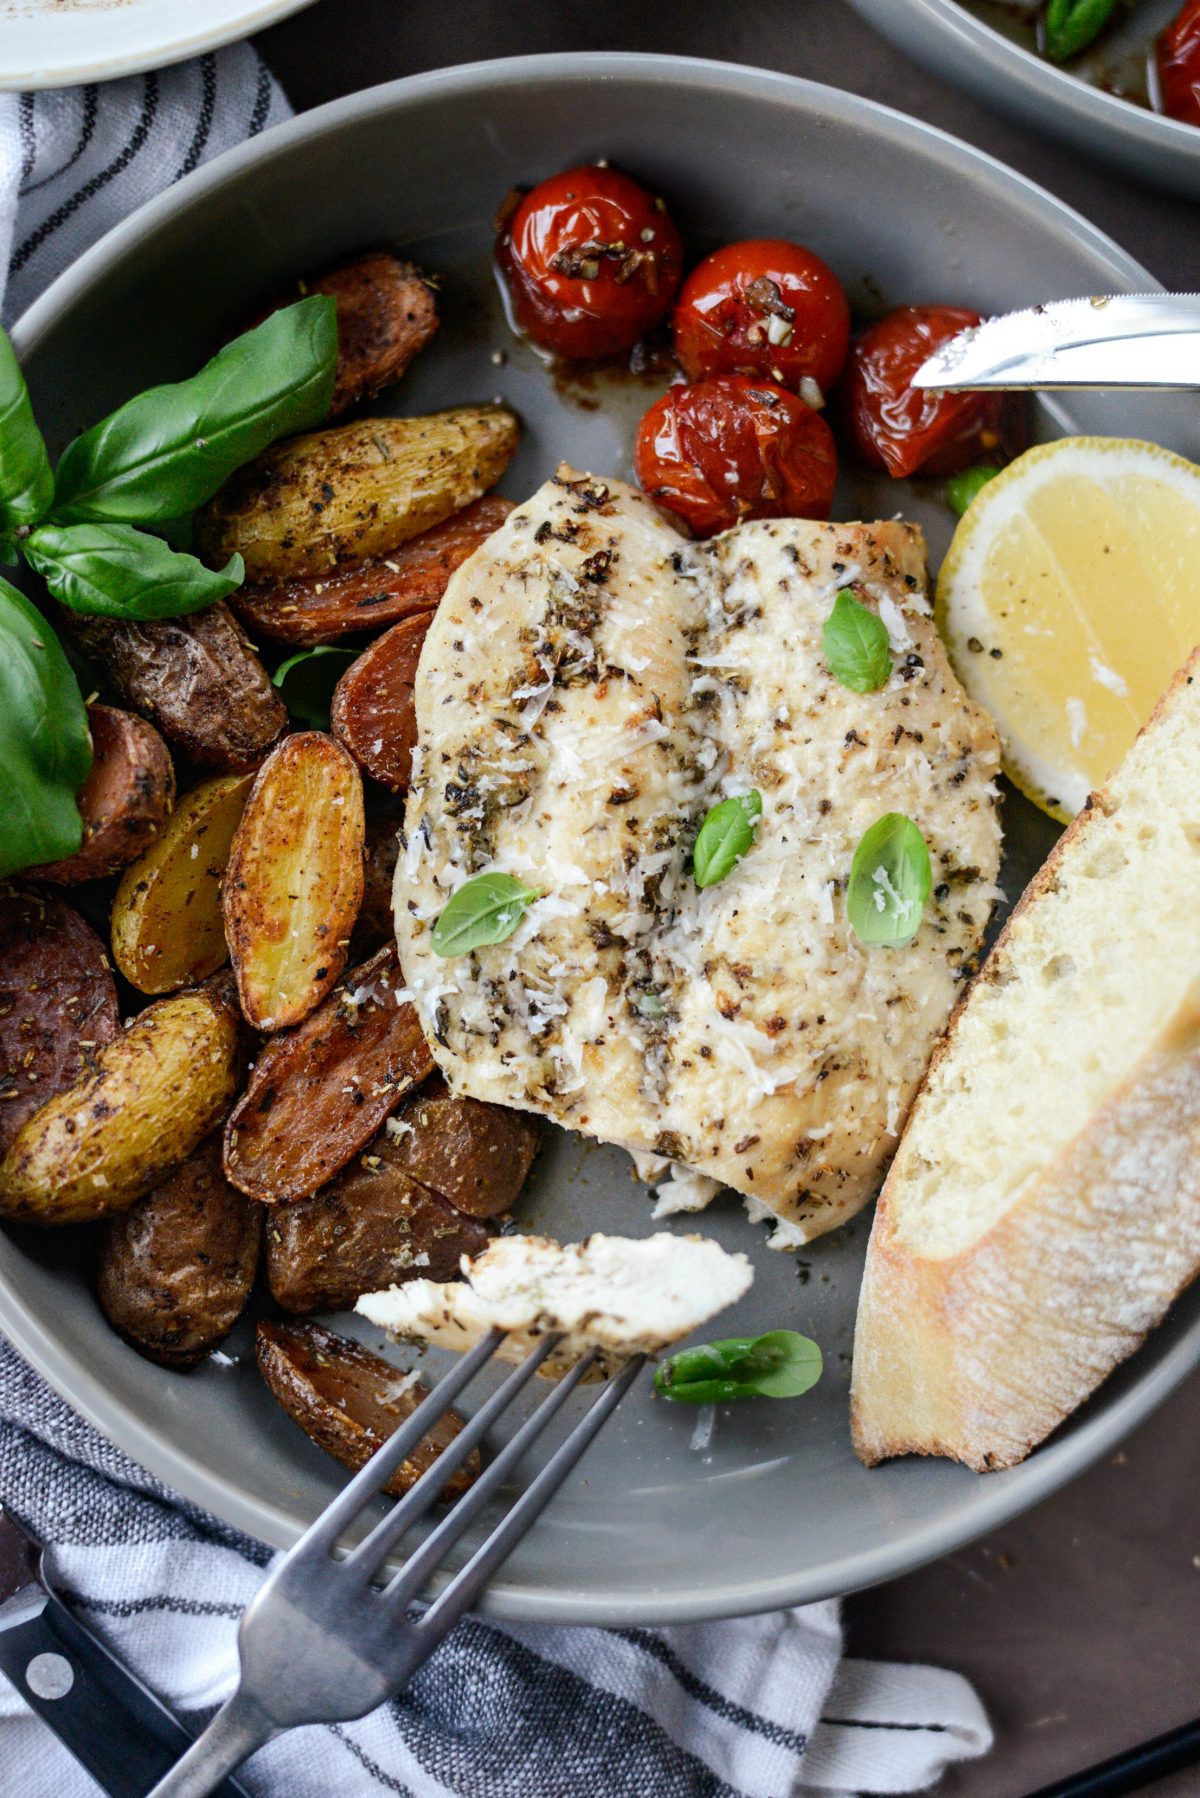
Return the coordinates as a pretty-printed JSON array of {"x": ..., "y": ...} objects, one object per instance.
[
  {"x": 730, "y": 448},
  {"x": 1178, "y": 53},
  {"x": 889, "y": 424},
  {"x": 592, "y": 262},
  {"x": 766, "y": 308}
]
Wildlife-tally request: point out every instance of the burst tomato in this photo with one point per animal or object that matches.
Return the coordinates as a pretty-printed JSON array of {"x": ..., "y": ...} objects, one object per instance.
[
  {"x": 1178, "y": 55},
  {"x": 887, "y": 423},
  {"x": 763, "y": 307},
  {"x": 729, "y": 448},
  {"x": 592, "y": 262}
]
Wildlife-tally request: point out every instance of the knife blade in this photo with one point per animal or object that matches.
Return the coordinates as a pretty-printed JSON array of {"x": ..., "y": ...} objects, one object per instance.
[
  {"x": 115, "y": 1726},
  {"x": 1144, "y": 340}
]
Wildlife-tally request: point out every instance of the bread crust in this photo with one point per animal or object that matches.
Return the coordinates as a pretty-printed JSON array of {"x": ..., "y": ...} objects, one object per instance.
[{"x": 980, "y": 1355}]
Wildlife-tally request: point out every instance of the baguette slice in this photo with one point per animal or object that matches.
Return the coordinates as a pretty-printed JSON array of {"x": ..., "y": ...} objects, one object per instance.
[{"x": 1043, "y": 1209}]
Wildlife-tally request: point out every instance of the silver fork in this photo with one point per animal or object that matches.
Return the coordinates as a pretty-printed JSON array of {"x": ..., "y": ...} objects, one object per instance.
[{"x": 320, "y": 1642}]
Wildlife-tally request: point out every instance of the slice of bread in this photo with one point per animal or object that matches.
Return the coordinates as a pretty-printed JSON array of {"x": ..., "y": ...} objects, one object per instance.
[{"x": 1043, "y": 1209}]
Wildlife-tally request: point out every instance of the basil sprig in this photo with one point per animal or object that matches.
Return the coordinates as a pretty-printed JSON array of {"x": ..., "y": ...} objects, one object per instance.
[
  {"x": 45, "y": 745},
  {"x": 307, "y": 679},
  {"x": 963, "y": 487},
  {"x": 725, "y": 836},
  {"x": 781, "y": 1364},
  {"x": 152, "y": 461},
  {"x": 168, "y": 450},
  {"x": 113, "y": 571},
  {"x": 856, "y": 645},
  {"x": 1071, "y": 25},
  {"x": 26, "y": 483},
  {"x": 890, "y": 878},
  {"x": 486, "y": 909}
]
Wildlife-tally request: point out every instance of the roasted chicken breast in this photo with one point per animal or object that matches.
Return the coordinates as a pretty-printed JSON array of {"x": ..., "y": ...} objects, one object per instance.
[{"x": 591, "y": 685}]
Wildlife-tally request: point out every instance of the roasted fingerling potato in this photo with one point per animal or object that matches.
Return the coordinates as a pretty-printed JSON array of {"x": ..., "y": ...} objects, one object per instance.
[
  {"x": 198, "y": 678},
  {"x": 153, "y": 1093},
  {"x": 294, "y": 882},
  {"x": 373, "y": 713},
  {"x": 350, "y": 1401},
  {"x": 473, "y": 1155},
  {"x": 386, "y": 313},
  {"x": 321, "y": 608},
  {"x": 177, "y": 1268},
  {"x": 168, "y": 929},
  {"x": 372, "y": 1226},
  {"x": 125, "y": 800},
  {"x": 318, "y": 1093},
  {"x": 58, "y": 1002},
  {"x": 355, "y": 492}
]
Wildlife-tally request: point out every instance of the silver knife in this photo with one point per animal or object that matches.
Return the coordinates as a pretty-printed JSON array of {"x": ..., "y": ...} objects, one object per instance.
[
  {"x": 1148, "y": 340},
  {"x": 112, "y": 1723}
]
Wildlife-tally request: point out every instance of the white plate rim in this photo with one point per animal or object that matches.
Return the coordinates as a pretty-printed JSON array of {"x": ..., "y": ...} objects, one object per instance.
[{"x": 66, "y": 70}]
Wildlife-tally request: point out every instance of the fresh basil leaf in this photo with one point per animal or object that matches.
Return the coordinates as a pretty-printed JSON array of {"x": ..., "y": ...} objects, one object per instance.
[
  {"x": 1070, "y": 25},
  {"x": 113, "y": 571},
  {"x": 486, "y": 909},
  {"x": 781, "y": 1364},
  {"x": 856, "y": 645},
  {"x": 45, "y": 745},
  {"x": 962, "y": 488},
  {"x": 168, "y": 450},
  {"x": 890, "y": 878},
  {"x": 307, "y": 679},
  {"x": 26, "y": 483},
  {"x": 725, "y": 836}
]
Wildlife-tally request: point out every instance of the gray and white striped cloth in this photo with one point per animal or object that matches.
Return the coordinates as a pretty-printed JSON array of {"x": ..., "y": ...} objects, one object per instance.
[{"x": 759, "y": 1708}]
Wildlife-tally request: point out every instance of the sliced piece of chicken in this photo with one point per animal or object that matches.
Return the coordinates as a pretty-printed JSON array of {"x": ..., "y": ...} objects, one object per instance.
[
  {"x": 613, "y": 1293},
  {"x": 590, "y": 686}
]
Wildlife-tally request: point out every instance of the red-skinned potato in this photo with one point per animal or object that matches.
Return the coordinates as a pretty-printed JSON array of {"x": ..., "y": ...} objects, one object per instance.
[
  {"x": 58, "y": 1002},
  {"x": 373, "y": 714},
  {"x": 370, "y": 595},
  {"x": 176, "y": 1269},
  {"x": 124, "y": 802},
  {"x": 198, "y": 678},
  {"x": 319, "y": 1093},
  {"x": 349, "y": 1401},
  {"x": 386, "y": 313},
  {"x": 372, "y": 1226},
  {"x": 474, "y": 1155}
]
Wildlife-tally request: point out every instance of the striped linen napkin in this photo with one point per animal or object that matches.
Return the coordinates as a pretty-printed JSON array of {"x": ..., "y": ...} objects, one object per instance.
[{"x": 759, "y": 1708}]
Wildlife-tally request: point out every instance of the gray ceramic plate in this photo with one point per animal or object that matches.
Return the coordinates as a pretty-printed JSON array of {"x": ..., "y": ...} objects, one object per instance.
[
  {"x": 775, "y": 1509},
  {"x": 982, "y": 46}
]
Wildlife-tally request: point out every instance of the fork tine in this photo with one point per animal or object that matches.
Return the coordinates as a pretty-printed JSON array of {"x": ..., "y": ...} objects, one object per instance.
[
  {"x": 323, "y": 1534},
  {"x": 367, "y": 1555},
  {"x": 467, "y": 1584},
  {"x": 407, "y": 1583}
]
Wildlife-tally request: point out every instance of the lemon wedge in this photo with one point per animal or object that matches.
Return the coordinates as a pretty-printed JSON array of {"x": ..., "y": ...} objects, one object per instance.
[{"x": 1069, "y": 598}]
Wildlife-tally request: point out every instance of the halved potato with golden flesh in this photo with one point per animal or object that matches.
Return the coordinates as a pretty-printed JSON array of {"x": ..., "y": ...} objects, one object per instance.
[
  {"x": 295, "y": 879},
  {"x": 152, "y": 1095},
  {"x": 168, "y": 929},
  {"x": 357, "y": 491}
]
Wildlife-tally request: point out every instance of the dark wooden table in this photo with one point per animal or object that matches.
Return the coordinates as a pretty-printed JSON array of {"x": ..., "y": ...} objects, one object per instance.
[{"x": 1080, "y": 1623}]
